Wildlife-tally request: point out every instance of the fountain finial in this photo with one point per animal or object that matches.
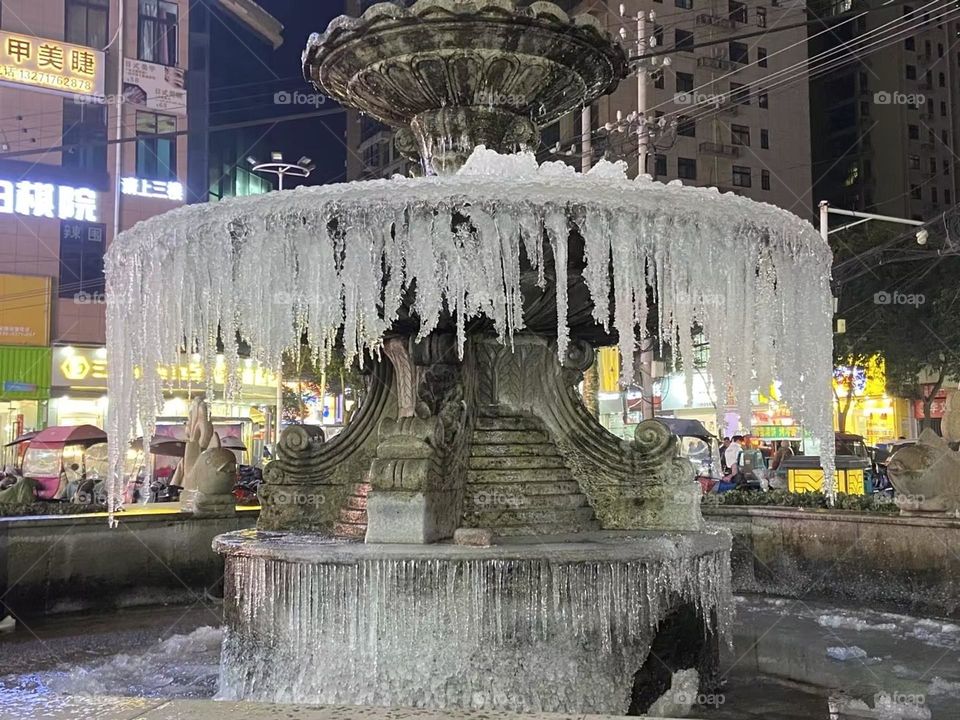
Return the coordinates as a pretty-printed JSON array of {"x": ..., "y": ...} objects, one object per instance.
[{"x": 455, "y": 74}]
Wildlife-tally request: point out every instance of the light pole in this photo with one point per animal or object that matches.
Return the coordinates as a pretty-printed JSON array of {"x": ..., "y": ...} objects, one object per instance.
[{"x": 281, "y": 168}]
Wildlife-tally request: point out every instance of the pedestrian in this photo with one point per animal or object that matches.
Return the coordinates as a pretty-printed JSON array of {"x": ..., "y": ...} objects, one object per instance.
[
  {"x": 779, "y": 473},
  {"x": 723, "y": 454},
  {"x": 732, "y": 455}
]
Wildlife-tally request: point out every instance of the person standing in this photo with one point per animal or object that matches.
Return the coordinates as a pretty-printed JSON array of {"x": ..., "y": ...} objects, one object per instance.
[
  {"x": 723, "y": 455},
  {"x": 732, "y": 455}
]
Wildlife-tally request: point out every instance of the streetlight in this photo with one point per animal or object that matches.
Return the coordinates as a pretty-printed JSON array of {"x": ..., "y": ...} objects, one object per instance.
[{"x": 279, "y": 167}]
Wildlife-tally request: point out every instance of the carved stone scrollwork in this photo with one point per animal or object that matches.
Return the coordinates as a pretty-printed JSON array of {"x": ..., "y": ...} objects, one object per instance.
[{"x": 307, "y": 485}]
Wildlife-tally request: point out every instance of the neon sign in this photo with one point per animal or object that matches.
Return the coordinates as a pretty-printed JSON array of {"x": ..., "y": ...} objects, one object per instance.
[
  {"x": 46, "y": 200},
  {"x": 51, "y": 65},
  {"x": 161, "y": 189}
]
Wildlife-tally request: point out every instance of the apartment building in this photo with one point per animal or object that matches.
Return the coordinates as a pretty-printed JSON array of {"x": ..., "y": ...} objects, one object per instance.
[
  {"x": 94, "y": 100},
  {"x": 886, "y": 123}
]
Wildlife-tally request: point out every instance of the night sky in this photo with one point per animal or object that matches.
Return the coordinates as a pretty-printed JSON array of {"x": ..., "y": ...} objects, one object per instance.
[{"x": 246, "y": 74}]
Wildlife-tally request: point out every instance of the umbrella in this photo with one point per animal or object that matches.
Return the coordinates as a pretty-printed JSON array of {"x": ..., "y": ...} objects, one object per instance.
[
  {"x": 171, "y": 447},
  {"x": 232, "y": 443},
  {"x": 56, "y": 438},
  {"x": 26, "y": 437}
]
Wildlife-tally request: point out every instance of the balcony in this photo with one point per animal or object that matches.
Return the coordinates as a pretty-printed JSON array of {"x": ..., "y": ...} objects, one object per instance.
[
  {"x": 709, "y": 148},
  {"x": 716, "y": 21}
]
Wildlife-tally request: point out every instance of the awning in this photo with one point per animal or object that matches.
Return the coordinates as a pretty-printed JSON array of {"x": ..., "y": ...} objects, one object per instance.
[{"x": 56, "y": 438}]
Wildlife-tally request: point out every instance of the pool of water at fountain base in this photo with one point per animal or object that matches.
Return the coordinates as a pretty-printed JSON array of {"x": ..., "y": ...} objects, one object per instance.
[{"x": 779, "y": 667}]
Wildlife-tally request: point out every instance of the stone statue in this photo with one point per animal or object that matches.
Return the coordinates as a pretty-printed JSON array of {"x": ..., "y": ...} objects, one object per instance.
[
  {"x": 208, "y": 471},
  {"x": 926, "y": 476}
]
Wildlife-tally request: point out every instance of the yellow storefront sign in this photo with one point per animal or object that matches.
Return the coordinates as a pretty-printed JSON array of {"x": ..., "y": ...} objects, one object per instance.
[
  {"x": 51, "y": 65},
  {"x": 25, "y": 310},
  {"x": 609, "y": 370},
  {"x": 87, "y": 367}
]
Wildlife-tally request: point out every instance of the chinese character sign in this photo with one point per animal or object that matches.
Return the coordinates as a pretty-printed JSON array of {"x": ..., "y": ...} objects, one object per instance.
[
  {"x": 161, "y": 189},
  {"x": 51, "y": 65},
  {"x": 46, "y": 200}
]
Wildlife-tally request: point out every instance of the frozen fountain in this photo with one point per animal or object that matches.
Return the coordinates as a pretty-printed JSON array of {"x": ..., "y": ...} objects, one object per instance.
[{"x": 517, "y": 556}]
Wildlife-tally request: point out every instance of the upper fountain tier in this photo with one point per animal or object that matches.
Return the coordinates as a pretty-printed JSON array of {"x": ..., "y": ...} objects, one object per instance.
[{"x": 455, "y": 74}]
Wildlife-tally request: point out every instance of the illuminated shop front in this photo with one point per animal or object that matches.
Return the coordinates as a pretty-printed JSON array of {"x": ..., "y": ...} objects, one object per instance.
[
  {"x": 872, "y": 413},
  {"x": 79, "y": 394}
]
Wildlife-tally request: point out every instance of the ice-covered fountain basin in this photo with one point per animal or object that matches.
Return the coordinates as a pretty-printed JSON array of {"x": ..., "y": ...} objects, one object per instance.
[
  {"x": 561, "y": 625},
  {"x": 322, "y": 259}
]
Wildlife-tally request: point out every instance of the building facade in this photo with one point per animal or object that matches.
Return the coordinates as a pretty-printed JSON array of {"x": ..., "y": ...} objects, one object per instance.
[
  {"x": 886, "y": 125},
  {"x": 94, "y": 137}
]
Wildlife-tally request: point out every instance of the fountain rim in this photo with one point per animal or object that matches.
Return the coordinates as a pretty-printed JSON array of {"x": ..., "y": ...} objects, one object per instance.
[
  {"x": 597, "y": 190},
  {"x": 608, "y": 546}
]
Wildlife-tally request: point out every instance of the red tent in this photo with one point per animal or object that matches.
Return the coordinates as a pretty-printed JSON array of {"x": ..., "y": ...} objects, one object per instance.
[{"x": 56, "y": 438}]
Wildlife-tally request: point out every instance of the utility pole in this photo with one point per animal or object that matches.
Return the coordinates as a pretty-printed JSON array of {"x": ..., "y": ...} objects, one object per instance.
[{"x": 642, "y": 138}]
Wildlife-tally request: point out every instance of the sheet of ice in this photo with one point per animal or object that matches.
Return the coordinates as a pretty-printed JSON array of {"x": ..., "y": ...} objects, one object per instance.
[
  {"x": 268, "y": 268},
  {"x": 853, "y": 623}
]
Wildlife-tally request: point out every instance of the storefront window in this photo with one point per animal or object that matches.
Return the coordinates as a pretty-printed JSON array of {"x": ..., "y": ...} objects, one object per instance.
[
  {"x": 85, "y": 136},
  {"x": 81, "y": 261}
]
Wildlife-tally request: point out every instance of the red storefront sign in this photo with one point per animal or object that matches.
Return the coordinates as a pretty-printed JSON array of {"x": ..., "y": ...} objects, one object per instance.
[{"x": 937, "y": 407}]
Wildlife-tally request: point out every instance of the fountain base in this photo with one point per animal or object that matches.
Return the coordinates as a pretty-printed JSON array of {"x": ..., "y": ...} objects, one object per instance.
[{"x": 552, "y": 624}]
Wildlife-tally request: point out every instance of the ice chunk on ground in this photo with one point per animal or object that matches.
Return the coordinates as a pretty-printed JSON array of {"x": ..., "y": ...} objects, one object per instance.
[{"x": 846, "y": 653}]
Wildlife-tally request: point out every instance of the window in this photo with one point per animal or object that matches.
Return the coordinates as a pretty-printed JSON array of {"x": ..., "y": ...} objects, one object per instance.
[
  {"x": 156, "y": 156},
  {"x": 933, "y": 196},
  {"x": 945, "y": 138},
  {"x": 914, "y": 191},
  {"x": 686, "y": 126},
  {"x": 942, "y": 80},
  {"x": 913, "y": 162},
  {"x": 81, "y": 258},
  {"x": 658, "y": 34},
  {"x": 939, "y": 49},
  {"x": 687, "y": 168},
  {"x": 761, "y": 57},
  {"x": 738, "y": 11},
  {"x": 157, "y": 32},
  {"x": 85, "y": 22},
  {"x": 763, "y": 100},
  {"x": 684, "y": 82},
  {"x": 683, "y": 40},
  {"x": 85, "y": 131},
  {"x": 740, "y": 135},
  {"x": 658, "y": 80},
  {"x": 863, "y": 80},
  {"x": 911, "y": 72},
  {"x": 933, "y": 166},
  {"x": 685, "y": 4},
  {"x": 946, "y": 197},
  {"x": 741, "y": 176},
  {"x": 943, "y": 109},
  {"x": 739, "y": 52},
  {"x": 765, "y": 179},
  {"x": 930, "y": 107},
  {"x": 761, "y": 17},
  {"x": 946, "y": 166},
  {"x": 909, "y": 44},
  {"x": 913, "y": 132},
  {"x": 765, "y": 139},
  {"x": 659, "y": 165},
  {"x": 739, "y": 94},
  {"x": 864, "y": 108}
]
